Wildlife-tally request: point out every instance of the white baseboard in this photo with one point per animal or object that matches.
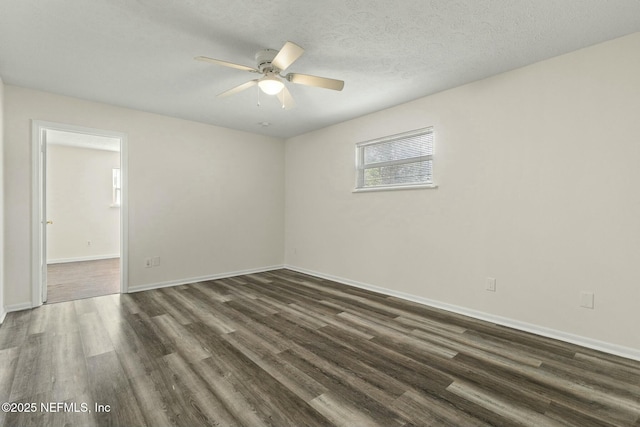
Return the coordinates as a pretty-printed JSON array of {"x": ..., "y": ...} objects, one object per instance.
[
  {"x": 618, "y": 350},
  {"x": 179, "y": 282},
  {"x": 27, "y": 305},
  {"x": 84, "y": 258},
  {"x": 18, "y": 307}
]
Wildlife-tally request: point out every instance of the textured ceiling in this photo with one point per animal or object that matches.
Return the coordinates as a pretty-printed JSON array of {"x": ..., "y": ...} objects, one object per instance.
[{"x": 139, "y": 53}]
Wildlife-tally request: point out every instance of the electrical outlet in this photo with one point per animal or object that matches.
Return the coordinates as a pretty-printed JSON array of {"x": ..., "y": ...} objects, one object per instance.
[
  {"x": 491, "y": 284},
  {"x": 155, "y": 261},
  {"x": 586, "y": 299},
  {"x": 147, "y": 263}
]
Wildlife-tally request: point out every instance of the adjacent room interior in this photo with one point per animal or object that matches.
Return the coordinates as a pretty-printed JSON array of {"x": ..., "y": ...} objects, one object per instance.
[
  {"x": 418, "y": 213},
  {"x": 83, "y": 198}
]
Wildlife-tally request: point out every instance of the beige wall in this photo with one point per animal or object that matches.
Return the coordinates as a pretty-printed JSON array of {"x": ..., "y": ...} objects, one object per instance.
[
  {"x": 537, "y": 171},
  {"x": 207, "y": 200},
  {"x": 79, "y": 199}
]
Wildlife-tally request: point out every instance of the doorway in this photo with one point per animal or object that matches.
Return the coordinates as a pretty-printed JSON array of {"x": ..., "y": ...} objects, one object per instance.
[{"x": 80, "y": 213}]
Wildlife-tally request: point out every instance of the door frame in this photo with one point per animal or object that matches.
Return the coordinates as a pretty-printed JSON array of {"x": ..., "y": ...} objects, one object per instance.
[{"x": 38, "y": 203}]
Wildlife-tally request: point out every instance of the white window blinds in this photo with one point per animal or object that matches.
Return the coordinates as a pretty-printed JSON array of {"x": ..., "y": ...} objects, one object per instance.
[{"x": 402, "y": 160}]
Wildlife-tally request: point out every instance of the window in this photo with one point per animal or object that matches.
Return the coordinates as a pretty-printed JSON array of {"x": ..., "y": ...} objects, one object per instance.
[
  {"x": 396, "y": 162},
  {"x": 117, "y": 188}
]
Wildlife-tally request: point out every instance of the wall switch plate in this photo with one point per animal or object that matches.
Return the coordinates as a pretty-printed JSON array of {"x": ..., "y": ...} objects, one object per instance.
[
  {"x": 491, "y": 284},
  {"x": 586, "y": 299},
  {"x": 155, "y": 261},
  {"x": 147, "y": 263}
]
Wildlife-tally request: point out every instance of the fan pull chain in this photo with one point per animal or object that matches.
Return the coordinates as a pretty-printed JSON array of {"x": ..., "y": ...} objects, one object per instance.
[{"x": 258, "y": 97}]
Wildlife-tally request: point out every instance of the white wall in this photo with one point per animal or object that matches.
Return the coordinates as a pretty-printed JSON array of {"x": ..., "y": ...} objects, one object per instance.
[
  {"x": 537, "y": 171},
  {"x": 207, "y": 200},
  {"x": 2, "y": 310},
  {"x": 79, "y": 202}
]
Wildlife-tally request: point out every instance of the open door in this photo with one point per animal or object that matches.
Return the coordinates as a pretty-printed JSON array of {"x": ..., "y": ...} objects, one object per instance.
[
  {"x": 43, "y": 134},
  {"x": 44, "y": 222}
]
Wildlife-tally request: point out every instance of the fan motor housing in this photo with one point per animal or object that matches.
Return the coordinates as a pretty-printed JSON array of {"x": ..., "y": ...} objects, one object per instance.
[{"x": 264, "y": 58}]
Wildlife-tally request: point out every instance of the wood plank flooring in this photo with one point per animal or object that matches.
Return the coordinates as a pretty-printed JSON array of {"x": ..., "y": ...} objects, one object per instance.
[
  {"x": 287, "y": 349},
  {"x": 83, "y": 279}
]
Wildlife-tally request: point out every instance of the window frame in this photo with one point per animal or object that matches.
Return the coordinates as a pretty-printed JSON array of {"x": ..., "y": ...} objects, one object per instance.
[{"x": 361, "y": 167}]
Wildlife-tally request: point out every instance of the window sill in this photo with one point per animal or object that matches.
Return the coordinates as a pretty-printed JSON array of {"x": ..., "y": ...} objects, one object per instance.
[{"x": 395, "y": 188}]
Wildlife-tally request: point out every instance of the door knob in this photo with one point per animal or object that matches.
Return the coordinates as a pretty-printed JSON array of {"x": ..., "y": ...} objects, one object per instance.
[{"x": 49, "y": 222}]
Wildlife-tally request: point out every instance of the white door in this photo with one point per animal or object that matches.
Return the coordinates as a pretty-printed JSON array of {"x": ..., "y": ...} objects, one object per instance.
[
  {"x": 44, "y": 221},
  {"x": 41, "y": 224}
]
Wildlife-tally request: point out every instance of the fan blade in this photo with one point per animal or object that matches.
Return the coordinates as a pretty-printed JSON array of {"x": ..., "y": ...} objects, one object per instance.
[
  {"x": 286, "y": 99},
  {"x": 226, "y": 63},
  {"x": 308, "y": 80},
  {"x": 239, "y": 88},
  {"x": 287, "y": 55}
]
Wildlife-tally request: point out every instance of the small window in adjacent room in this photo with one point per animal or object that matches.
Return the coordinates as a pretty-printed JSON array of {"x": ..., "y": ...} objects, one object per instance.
[
  {"x": 396, "y": 162},
  {"x": 117, "y": 188}
]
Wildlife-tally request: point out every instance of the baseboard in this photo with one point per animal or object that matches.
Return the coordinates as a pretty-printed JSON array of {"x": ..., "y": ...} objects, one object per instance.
[
  {"x": 179, "y": 282},
  {"x": 27, "y": 306},
  {"x": 18, "y": 307},
  {"x": 84, "y": 258},
  {"x": 618, "y": 350}
]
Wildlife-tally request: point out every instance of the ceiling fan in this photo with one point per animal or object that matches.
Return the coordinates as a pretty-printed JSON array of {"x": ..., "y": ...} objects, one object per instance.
[{"x": 271, "y": 63}]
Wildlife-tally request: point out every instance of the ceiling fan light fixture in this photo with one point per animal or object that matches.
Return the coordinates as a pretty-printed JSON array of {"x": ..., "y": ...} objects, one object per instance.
[
  {"x": 270, "y": 85},
  {"x": 271, "y": 64}
]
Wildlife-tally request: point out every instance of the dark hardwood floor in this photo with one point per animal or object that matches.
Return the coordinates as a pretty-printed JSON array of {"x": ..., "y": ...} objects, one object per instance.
[
  {"x": 286, "y": 349},
  {"x": 83, "y": 279}
]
